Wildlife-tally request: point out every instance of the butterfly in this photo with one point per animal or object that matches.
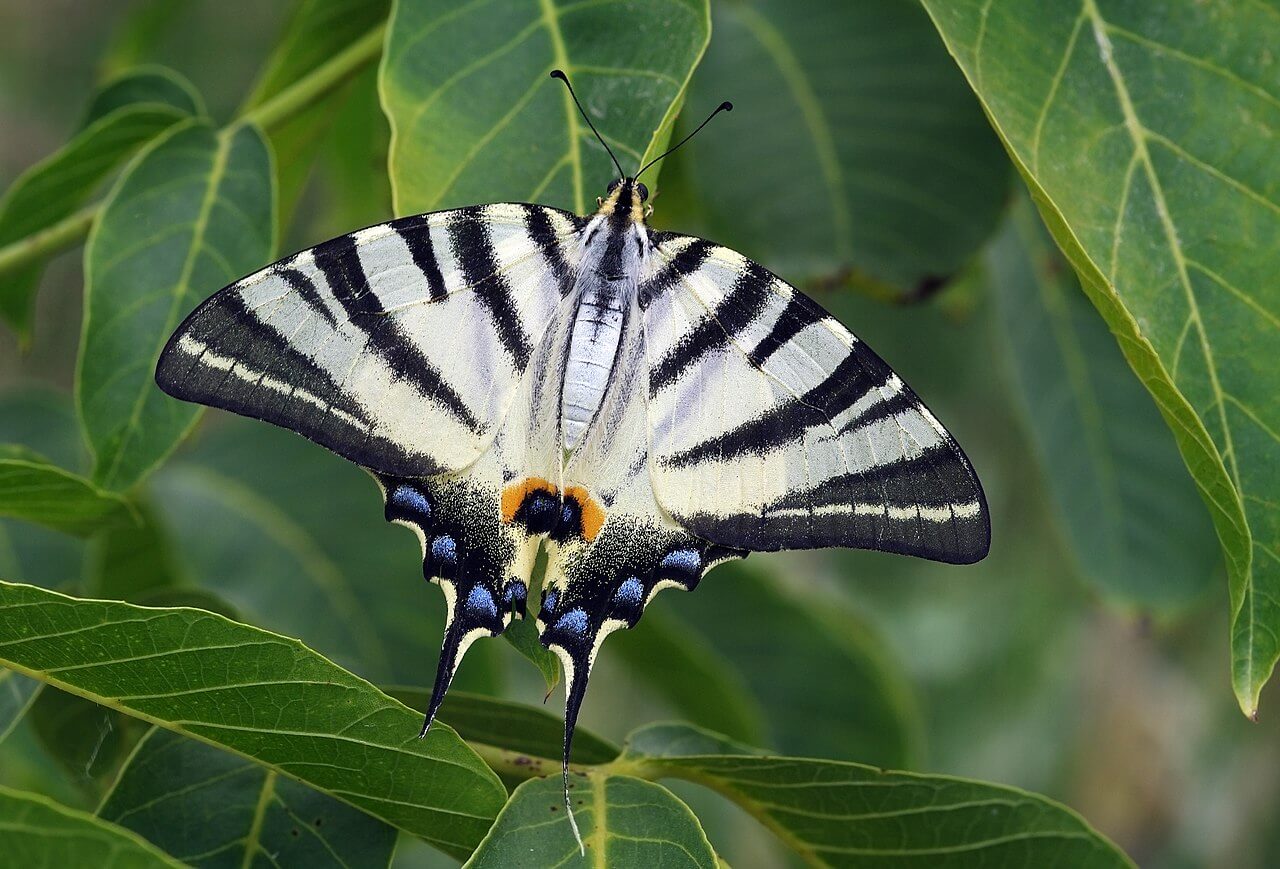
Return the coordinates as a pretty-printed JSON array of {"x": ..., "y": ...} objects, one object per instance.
[{"x": 642, "y": 405}]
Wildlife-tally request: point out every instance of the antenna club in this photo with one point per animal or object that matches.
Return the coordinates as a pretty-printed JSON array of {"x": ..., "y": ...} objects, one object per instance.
[
  {"x": 559, "y": 73},
  {"x": 725, "y": 106}
]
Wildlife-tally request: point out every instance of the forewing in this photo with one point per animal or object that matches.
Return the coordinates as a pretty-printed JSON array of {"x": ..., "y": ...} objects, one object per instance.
[
  {"x": 772, "y": 427},
  {"x": 398, "y": 347}
]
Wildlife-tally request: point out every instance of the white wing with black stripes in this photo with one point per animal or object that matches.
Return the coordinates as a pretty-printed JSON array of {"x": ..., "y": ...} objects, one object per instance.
[
  {"x": 398, "y": 347},
  {"x": 772, "y": 427}
]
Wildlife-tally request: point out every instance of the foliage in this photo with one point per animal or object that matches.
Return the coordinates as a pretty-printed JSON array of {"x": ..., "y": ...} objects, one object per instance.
[
  {"x": 1109, "y": 114},
  {"x": 193, "y": 618}
]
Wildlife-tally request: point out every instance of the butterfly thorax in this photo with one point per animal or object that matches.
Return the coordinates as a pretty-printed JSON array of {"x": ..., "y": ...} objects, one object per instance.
[{"x": 614, "y": 245}]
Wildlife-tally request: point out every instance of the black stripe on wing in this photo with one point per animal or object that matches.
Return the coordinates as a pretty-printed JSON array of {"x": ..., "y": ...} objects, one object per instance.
[
  {"x": 254, "y": 358},
  {"x": 415, "y": 232},
  {"x": 923, "y": 482},
  {"x": 788, "y": 421},
  {"x": 741, "y": 305},
  {"x": 306, "y": 290},
  {"x": 797, "y": 315},
  {"x": 544, "y": 235},
  {"x": 339, "y": 261},
  {"x": 961, "y": 536},
  {"x": 687, "y": 261},
  {"x": 469, "y": 237}
]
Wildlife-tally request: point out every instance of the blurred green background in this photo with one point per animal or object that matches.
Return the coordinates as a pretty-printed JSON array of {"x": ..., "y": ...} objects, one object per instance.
[{"x": 1050, "y": 666}]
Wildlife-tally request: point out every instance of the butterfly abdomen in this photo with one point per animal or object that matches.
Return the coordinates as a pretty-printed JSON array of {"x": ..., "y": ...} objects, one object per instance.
[{"x": 604, "y": 291}]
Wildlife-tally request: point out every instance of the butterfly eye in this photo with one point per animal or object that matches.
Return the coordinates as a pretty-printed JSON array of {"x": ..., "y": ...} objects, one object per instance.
[
  {"x": 613, "y": 185},
  {"x": 643, "y": 191}
]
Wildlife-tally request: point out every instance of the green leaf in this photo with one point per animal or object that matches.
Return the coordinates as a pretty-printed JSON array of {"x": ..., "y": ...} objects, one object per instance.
[
  {"x": 132, "y": 562},
  {"x": 624, "y": 822},
  {"x": 845, "y": 814},
  {"x": 300, "y": 545},
  {"x": 87, "y": 740},
  {"x": 317, "y": 30},
  {"x": 774, "y": 636},
  {"x": 43, "y": 420},
  {"x": 1115, "y": 119},
  {"x": 260, "y": 695},
  {"x": 157, "y": 85},
  {"x": 701, "y": 684},
  {"x": 193, "y": 213},
  {"x": 34, "y": 490},
  {"x": 17, "y": 693},
  {"x": 270, "y": 567},
  {"x": 475, "y": 116},
  {"x": 125, "y": 114},
  {"x": 512, "y": 726},
  {"x": 523, "y": 637},
  {"x": 210, "y": 808},
  {"x": 1133, "y": 517},
  {"x": 852, "y": 118},
  {"x": 38, "y": 833}
]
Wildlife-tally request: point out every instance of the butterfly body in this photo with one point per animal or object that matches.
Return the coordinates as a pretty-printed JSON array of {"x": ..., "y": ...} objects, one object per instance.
[{"x": 614, "y": 250}]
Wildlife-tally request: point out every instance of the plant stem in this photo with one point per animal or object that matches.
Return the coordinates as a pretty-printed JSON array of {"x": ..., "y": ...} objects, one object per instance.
[
  {"x": 307, "y": 90},
  {"x": 519, "y": 765},
  {"x": 319, "y": 82},
  {"x": 50, "y": 240}
]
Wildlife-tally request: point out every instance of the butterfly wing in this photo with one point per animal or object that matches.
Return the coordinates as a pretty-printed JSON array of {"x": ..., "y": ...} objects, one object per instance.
[
  {"x": 398, "y": 347},
  {"x": 772, "y": 427}
]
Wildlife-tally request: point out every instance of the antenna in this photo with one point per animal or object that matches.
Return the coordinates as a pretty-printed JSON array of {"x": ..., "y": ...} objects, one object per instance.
[
  {"x": 559, "y": 73},
  {"x": 725, "y": 106}
]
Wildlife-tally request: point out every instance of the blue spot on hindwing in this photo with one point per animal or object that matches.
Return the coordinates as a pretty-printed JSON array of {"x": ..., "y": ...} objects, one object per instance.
[
  {"x": 515, "y": 592},
  {"x": 411, "y": 500},
  {"x": 549, "y": 601},
  {"x": 630, "y": 594},
  {"x": 480, "y": 602},
  {"x": 681, "y": 564},
  {"x": 444, "y": 555},
  {"x": 574, "y": 621}
]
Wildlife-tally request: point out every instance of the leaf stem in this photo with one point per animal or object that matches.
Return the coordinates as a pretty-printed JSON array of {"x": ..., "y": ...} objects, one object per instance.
[
  {"x": 519, "y": 765},
  {"x": 319, "y": 82},
  {"x": 50, "y": 240},
  {"x": 307, "y": 90}
]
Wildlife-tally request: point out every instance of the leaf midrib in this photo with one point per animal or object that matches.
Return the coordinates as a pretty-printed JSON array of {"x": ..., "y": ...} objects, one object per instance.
[
  {"x": 199, "y": 228},
  {"x": 1138, "y": 135},
  {"x": 182, "y": 726},
  {"x": 561, "y": 59},
  {"x": 253, "y": 840}
]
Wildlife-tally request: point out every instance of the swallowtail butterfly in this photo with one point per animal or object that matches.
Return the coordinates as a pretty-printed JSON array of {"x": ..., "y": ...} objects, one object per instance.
[{"x": 645, "y": 405}]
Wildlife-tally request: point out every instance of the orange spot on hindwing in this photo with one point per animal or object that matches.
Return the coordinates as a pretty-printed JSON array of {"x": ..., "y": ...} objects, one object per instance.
[
  {"x": 514, "y": 495},
  {"x": 536, "y": 504},
  {"x": 592, "y": 513}
]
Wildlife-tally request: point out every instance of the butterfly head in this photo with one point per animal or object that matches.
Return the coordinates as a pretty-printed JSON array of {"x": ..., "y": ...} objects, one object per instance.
[{"x": 625, "y": 201}]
